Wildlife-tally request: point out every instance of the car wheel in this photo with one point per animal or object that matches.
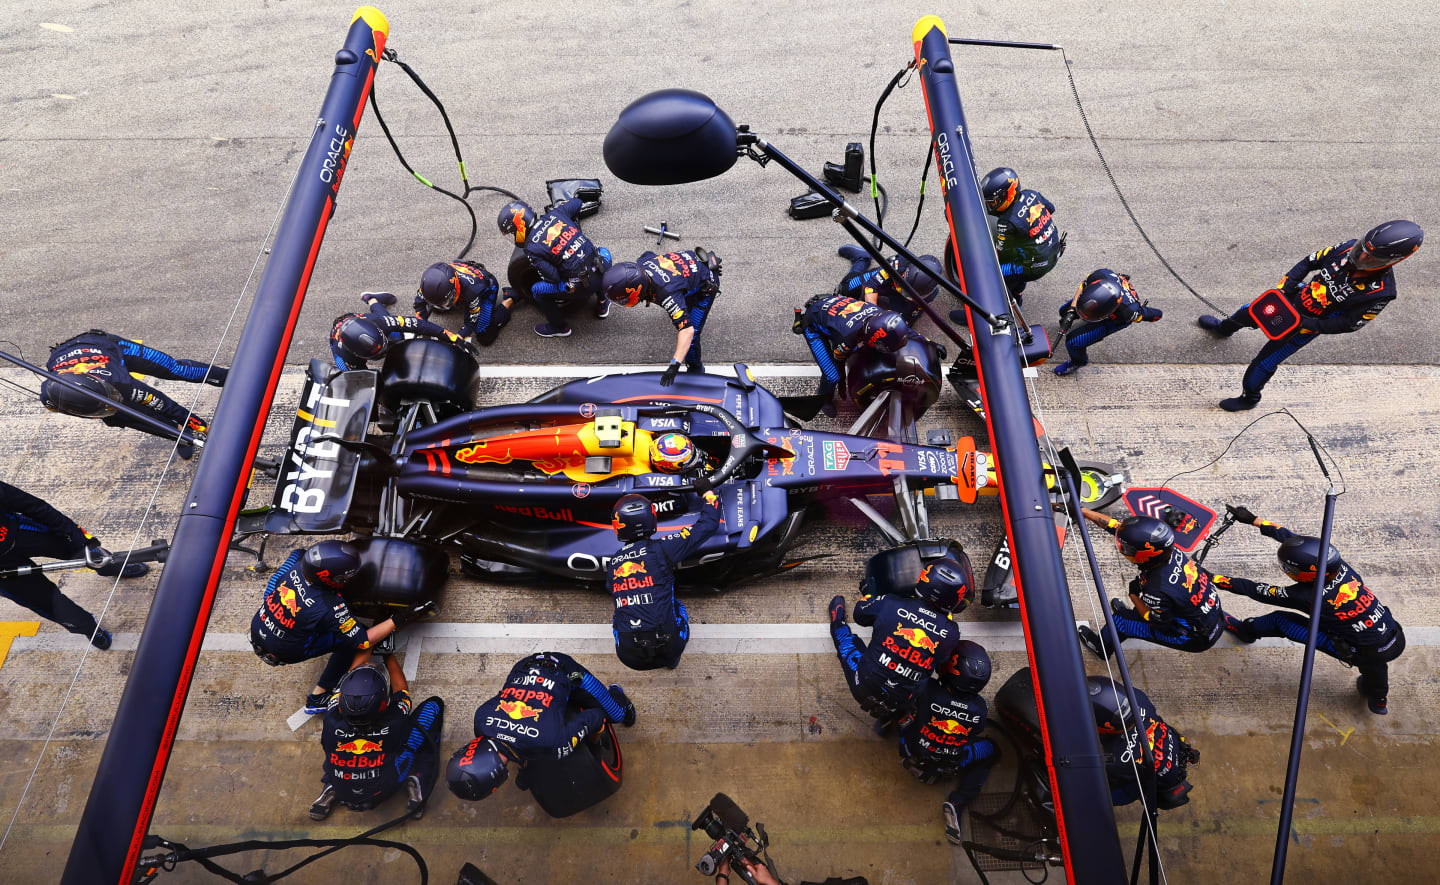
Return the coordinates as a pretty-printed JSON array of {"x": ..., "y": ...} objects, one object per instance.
[{"x": 424, "y": 370}]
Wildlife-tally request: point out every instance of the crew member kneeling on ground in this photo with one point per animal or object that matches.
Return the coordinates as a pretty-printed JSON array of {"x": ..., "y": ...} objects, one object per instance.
[
  {"x": 651, "y": 625},
  {"x": 939, "y": 739},
  {"x": 1356, "y": 628},
  {"x": 684, "y": 283},
  {"x": 531, "y": 723},
  {"x": 101, "y": 363},
  {"x": 1171, "y": 753},
  {"x": 29, "y": 528},
  {"x": 912, "y": 638},
  {"x": 446, "y": 284},
  {"x": 1176, "y": 603},
  {"x": 570, "y": 266},
  {"x": 878, "y": 285},
  {"x": 357, "y": 338},
  {"x": 835, "y": 326},
  {"x": 373, "y": 742},
  {"x": 303, "y": 616}
]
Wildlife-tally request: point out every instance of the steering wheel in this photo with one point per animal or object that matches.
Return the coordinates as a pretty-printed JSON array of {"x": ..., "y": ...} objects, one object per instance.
[{"x": 743, "y": 445}]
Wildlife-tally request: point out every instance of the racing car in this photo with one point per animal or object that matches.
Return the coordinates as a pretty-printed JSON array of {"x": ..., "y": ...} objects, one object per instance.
[{"x": 526, "y": 490}]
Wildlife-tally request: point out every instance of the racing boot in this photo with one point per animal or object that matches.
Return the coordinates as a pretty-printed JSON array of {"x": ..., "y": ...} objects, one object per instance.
[
  {"x": 316, "y": 704},
  {"x": 415, "y": 797},
  {"x": 859, "y": 259},
  {"x": 321, "y": 807},
  {"x": 959, "y": 316},
  {"x": 952, "y": 822},
  {"x": 837, "y": 613},
  {"x": 545, "y": 330},
  {"x": 1378, "y": 706},
  {"x": 1069, "y": 367},
  {"x": 101, "y": 639},
  {"x": 1242, "y": 403},
  {"x": 1092, "y": 641},
  {"x": 602, "y": 306},
  {"x": 1218, "y": 327},
  {"x": 1243, "y": 631},
  {"x": 624, "y": 701}
]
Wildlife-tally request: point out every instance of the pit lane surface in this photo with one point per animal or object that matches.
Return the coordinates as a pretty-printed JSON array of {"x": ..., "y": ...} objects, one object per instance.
[{"x": 147, "y": 149}]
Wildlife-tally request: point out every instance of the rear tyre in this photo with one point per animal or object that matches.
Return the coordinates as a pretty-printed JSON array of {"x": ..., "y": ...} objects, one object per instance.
[
  {"x": 425, "y": 370},
  {"x": 396, "y": 574}
]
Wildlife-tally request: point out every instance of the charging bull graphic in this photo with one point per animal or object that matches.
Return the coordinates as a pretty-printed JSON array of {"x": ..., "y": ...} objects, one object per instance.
[
  {"x": 518, "y": 710},
  {"x": 916, "y": 637}
]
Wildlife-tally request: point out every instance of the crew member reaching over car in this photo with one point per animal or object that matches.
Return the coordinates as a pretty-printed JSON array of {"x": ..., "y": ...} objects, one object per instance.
[
  {"x": 652, "y": 626},
  {"x": 835, "y": 326},
  {"x": 357, "y": 338},
  {"x": 684, "y": 283}
]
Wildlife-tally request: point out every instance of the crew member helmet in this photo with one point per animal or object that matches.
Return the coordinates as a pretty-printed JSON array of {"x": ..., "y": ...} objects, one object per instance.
[
  {"x": 1098, "y": 300},
  {"x": 515, "y": 220},
  {"x": 363, "y": 694},
  {"x": 968, "y": 672},
  {"x": 673, "y": 453},
  {"x": 330, "y": 564},
  {"x": 1390, "y": 243},
  {"x": 1109, "y": 705},
  {"x": 947, "y": 584},
  {"x": 886, "y": 331},
  {"x": 440, "y": 286},
  {"x": 603, "y": 258},
  {"x": 98, "y": 403},
  {"x": 633, "y": 518},
  {"x": 1000, "y": 187},
  {"x": 627, "y": 285},
  {"x": 1299, "y": 556},
  {"x": 361, "y": 338},
  {"x": 923, "y": 284},
  {"x": 476, "y": 770},
  {"x": 1144, "y": 539}
]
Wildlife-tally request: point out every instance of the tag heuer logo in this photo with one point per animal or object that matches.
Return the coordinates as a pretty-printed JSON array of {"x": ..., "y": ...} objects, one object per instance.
[{"x": 837, "y": 457}]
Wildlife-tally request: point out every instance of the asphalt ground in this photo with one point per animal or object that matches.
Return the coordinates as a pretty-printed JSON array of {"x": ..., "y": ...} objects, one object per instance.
[{"x": 147, "y": 149}]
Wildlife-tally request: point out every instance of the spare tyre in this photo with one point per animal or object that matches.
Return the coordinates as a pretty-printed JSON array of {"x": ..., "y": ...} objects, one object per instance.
[
  {"x": 395, "y": 574},
  {"x": 584, "y": 778},
  {"x": 426, "y": 370}
]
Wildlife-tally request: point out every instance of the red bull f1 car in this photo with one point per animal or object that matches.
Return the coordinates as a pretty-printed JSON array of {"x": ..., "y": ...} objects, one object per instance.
[{"x": 526, "y": 490}]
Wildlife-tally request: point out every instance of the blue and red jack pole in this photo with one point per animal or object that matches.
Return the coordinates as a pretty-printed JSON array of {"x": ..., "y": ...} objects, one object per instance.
[{"x": 122, "y": 799}]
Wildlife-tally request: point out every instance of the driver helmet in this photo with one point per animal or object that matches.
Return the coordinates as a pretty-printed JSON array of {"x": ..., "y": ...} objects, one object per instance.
[
  {"x": 1390, "y": 243},
  {"x": 363, "y": 694},
  {"x": 98, "y": 403},
  {"x": 627, "y": 285},
  {"x": 1144, "y": 539},
  {"x": 440, "y": 286},
  {"x": 886, "y": 331},
  {"x": 1098, "y": 299},
  {"x": 515, "y": 220},
  {"x": 947, "y": 584},
  {"x": 1300, "y": 556},
  {"x": 330, "y": 564},
  {"x": 360, "y": 338},
  {"x": 477, "y": 770},
  {"x": 968, "y": 671},
  {"x": 1000, "y": 187},
  {"x": 673, "y": 453},
  {"x": 923, "y": 284},
  {"x": 633, "y": 518}
]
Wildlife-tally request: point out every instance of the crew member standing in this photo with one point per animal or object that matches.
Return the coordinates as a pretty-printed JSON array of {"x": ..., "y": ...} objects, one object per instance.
[
  {"x": 1108, "y": 303},
  {"x": 102, "y": 363},
  {"x": 29, "y": 528},
  {"x": 446, "y": 284},
  {"x": 1027, "y": 242},
  {"x": 652, "y": 626},
  {"x": 1176, "y": 603},
  {"x": 1356, "y": 628},
  {"x": 1352, "y": 283},
  {"x": 684, "y": 283}
]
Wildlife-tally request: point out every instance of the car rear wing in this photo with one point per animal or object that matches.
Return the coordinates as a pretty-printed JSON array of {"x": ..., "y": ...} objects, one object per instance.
[{"x": 317, "y": 476}]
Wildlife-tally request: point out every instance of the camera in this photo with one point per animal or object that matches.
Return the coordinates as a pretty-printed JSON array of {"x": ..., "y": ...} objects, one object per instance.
[{"x": 729, "y": 827}]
